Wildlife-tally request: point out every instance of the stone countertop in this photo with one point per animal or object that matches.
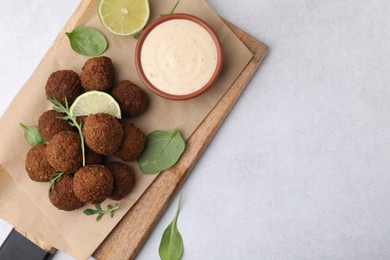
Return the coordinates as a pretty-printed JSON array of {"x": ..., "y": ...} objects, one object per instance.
[{"x": 299, "y": 169}]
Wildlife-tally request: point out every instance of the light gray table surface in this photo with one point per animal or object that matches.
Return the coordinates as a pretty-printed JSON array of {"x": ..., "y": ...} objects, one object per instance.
[{"x": 300, "y": 167}]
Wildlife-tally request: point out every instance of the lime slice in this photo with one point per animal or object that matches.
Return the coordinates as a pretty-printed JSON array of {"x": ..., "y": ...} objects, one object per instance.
[
  {"x": 93, "y": 102},
  {"x": 124, "y": 17}
]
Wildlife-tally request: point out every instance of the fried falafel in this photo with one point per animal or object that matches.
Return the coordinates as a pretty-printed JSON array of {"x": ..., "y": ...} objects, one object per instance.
[
  {"x": 92, "y": 158},
  {"x": 64, "y": 83},
  {"x": 62, "y": 195},
  {"x": 81, "y": 120},
  {"x": 124, "y": 179},
  {"x": 134, "y": 141},
  {"x": 93, "y": 183},
  {"x": 103, "y": 133},
  {"x": 132, "y": 99},
  {"x": 49, "y": 124},
  {"x": 98, "y": 74},
  {"x": 37, "y": 166},
  {"x": 63, "y": 152}
]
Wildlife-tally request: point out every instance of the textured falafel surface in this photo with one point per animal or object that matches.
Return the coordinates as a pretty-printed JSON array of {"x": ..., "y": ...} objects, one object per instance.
[
  {"x": 93, "y": 158},
  {"x": 103, "y": 133},
  {"x": 37, "y": 166},
  {"x": 93, "y": 183},
  {"x": 63, "y": 152},
  {"x": 62, "y": 195},
  {"x": 124, "y": 179},
  {"x": 98, "y": 73},
  {"x": 49, "y": 124},
  {"x": 64, "y": 83},
  {"x": 134, "y": 141},
  {"x": 132, "y": 99}
]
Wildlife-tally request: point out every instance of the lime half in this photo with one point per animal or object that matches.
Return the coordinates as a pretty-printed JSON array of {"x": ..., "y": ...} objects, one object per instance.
[
  {"x": 93, "y": 102},
  {"x": 124, "y": 17}
]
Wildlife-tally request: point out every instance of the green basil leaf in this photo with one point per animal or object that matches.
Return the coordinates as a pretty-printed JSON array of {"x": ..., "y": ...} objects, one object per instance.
[
  {"x": 163, "y": 150},
  {"x": 32, "y": 135},
  {"x": 87, "y": 41},
  {"x": 171, "y": 245}
]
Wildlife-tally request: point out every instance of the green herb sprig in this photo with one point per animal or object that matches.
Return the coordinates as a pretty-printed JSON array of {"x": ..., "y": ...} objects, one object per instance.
[
  {"x": 54, "y": 180},
  {"x": 171, "y": 11},
  {"x": 60, "y": 108},
  {"x": 32, "y": 135},
  {"x": 100, "y": 212},
  {"x": 163, "y": 150},
  {"x": 171, "y": 245}
]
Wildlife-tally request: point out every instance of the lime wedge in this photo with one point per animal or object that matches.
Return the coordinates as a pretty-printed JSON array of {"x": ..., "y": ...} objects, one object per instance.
[
  {"x": 124, "y": 17},
  {"x": 93, "y": 102}
]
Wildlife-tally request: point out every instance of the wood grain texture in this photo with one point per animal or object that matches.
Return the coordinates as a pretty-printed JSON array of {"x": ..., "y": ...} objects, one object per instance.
[
  {"x": 129, "y": 235},
  {"x": 127, "y": 238}
]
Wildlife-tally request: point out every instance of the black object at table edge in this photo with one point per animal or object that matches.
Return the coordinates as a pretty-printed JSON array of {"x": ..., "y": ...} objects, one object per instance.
[{"x": 16, "y": 247}]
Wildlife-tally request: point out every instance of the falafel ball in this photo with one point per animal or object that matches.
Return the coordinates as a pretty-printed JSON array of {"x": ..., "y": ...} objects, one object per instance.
[
  {"x": 132, "y": 99},
  {"x": 62, "y": 195},
  {"x": 92, "y": 158},
  {"x": 97, "y": 74},
  {"x": 64, "y": 152},
  {"x": 37, "y": 166},
  {"x": 124, "y": 179},
  {"x": 134, "y": 141},
  {"x": 93, "y": 183},
  {"x": 103, "y": 133},
  {"x": 49, "y": 124},
  {"x": 81, "y": 120},
  {"x": 64, "y": 83}
]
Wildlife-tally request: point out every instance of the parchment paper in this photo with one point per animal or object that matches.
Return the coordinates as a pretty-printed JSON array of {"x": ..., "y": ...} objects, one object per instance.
[{"x": 73, "y": 232}]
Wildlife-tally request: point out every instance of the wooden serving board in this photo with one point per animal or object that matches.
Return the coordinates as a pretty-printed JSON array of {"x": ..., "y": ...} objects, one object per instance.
[{"x": 129, "y": 235}]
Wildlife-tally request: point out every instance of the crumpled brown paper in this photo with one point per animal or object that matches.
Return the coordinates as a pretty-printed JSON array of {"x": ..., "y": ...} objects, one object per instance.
[{"x": 24, "y": 203}]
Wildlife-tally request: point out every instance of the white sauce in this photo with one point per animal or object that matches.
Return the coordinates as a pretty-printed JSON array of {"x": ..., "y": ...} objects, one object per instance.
[{"x": 179, "y": 57}]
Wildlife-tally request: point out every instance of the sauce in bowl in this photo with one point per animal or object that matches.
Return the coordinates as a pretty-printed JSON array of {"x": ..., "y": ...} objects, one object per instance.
[{"x": 179, "y": 57}]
